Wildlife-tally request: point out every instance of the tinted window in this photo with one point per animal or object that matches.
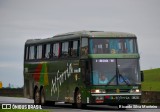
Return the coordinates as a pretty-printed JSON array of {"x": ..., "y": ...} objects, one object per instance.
[
  {"x": 74, "y": 48},
  {"x": 84, "y": 47},
  {"x": 115, "y": 72},
  {"x": 65, "y": 49},
  {"x": 39, "y": 52},
  {"x": 112, "y": 46},
  {"x": 56, "y": 50},
  {"x": 104, "y": 71},
  {"x": 47, "y": 51},
  {"x": 32, "y": 52},
  {"x": 128, "y": 71}
]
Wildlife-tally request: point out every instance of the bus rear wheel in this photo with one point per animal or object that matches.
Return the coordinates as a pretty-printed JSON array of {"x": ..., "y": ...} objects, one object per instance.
[
  {"x": 37, "y": 96},
  {"x": 42, "y": 97},
  {"x": 43, "y": 100}
]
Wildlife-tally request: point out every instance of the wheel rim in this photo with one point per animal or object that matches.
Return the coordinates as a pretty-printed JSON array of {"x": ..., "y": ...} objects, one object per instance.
[{"x": 78, "y": 100}]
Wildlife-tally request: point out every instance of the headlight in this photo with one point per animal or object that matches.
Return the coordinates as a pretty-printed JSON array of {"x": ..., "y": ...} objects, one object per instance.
[
  {"x": 134, "y": 91},
  {"x": 98, "y": 91},
  {"x": 137, "y": 91}
]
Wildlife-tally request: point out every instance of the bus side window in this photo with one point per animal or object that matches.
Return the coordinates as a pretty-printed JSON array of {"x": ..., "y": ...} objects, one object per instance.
[
  {"x": 71, "y": 48},
  {"x": 74, "y": 48},
  {"x": 26, "y": 52},
  {"x": 65, "y": 49},
  {"x": 56, "y": 50},
  {"x": 47, "y": 50},
  {"x": 84, "y": 47},
  {"x": 32, "y": 52},
  {"x": 39, "y": 52}
]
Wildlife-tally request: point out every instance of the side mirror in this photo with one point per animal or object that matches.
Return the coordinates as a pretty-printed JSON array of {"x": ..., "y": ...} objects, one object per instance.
[{"x": 142, "y": 76}]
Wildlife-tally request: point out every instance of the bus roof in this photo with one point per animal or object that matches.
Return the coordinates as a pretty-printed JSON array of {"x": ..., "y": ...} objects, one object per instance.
[{"x": 84, "y": 33}]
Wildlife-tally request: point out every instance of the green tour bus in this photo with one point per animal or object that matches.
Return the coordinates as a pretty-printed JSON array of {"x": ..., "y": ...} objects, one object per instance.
[{"x": 83, "y": 68}]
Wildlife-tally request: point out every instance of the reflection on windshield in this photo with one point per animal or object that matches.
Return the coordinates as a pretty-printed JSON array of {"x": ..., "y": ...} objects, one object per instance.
[
  {"x": 112, "y": 46},
  {"x": 106, "y": 72},
  {"x": 103, "y": 70},
  {"x": 128, "y": 71}
]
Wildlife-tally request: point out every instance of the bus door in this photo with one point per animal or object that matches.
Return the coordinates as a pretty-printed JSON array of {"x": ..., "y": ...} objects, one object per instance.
[{"x": 85, "y": 71}]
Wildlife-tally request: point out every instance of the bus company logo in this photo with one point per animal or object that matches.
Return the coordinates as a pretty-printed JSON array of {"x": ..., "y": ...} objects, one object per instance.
[
  {"x": 6, "y": 106},
  {"x": 60, "y": 78},
  {"x": 122, "y": 98}
]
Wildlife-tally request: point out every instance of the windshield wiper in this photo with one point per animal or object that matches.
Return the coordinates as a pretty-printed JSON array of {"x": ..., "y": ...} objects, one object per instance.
[
  {"x": 118, "y": 79},
  {"x": 125, "y": 80},
  {"x": 118, "y": 76},
  {"x": 111, "y": 80}
]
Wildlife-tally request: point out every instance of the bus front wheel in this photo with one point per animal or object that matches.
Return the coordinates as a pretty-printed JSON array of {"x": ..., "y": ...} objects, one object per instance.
[{"x": 78, "y": 100}]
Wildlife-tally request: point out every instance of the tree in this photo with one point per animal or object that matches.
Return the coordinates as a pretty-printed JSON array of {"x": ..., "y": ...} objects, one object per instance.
[{"x": 1, "y": 85}]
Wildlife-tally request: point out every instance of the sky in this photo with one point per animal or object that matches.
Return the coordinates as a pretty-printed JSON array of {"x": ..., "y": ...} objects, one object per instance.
[{"x": 30, "y": 19}]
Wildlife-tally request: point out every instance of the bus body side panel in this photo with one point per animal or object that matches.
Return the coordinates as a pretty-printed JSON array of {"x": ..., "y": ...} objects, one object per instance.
[{"x": 59, "y": 79}]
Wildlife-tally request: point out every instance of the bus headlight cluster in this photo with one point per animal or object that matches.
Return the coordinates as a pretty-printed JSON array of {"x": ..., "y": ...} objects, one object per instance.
[
  {"x": 134, "y": 91},
  {"x": 137, "y": 90},
  {"x": 98, "y": 91}
]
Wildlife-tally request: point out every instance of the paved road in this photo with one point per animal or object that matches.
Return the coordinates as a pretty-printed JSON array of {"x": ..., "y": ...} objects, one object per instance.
[
  {"x": 60, "y": 107},
  {"x": 14, "y": 100}
]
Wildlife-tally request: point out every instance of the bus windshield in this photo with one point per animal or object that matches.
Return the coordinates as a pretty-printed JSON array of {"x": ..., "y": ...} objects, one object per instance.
[
  {"x": 115, "y": 72},
  {"x": 112, "y": 46}
]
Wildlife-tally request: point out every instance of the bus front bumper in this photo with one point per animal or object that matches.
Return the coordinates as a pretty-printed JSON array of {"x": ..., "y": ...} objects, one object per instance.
[{"x": 115, "y": 99}]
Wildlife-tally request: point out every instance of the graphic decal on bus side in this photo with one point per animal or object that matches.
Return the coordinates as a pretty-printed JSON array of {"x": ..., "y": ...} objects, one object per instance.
[
  {"x": 41, "y": 74},
  {"x": 60, "y": 78}
]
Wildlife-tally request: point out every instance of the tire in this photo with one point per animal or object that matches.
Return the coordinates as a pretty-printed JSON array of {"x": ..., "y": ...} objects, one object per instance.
[
  {"x": 78, "y": 100},
  {"x": 42, "y": 97},
  {"x": 37, "y": 97}
]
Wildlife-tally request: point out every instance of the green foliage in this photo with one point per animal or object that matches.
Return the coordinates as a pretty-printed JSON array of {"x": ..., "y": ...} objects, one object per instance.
[{"x": 151, "y": 80}]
